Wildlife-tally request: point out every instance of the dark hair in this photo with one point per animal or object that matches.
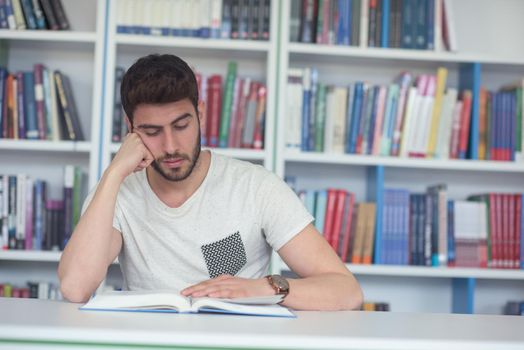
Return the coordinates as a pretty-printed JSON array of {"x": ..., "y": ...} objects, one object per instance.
[{"x": 156, "y": 79}]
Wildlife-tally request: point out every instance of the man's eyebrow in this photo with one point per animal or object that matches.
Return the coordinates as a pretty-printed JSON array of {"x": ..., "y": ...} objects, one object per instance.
[{"x": 153, "y": 126}]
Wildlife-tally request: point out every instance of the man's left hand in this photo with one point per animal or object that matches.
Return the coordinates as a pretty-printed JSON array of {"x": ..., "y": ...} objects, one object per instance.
[{"x": 227, "y": 286}]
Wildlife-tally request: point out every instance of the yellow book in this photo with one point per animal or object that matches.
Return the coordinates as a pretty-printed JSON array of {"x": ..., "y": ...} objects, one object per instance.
[
  {"x": 369, "y": 235},
  {"x": 483, "y": 124},
  {"x": 358, "y": 242},
  {"x": 442, "y": 75}
]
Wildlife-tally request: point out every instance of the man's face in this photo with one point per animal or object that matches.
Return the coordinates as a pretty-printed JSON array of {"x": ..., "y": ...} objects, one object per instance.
[{"x": 171, "y": 132}]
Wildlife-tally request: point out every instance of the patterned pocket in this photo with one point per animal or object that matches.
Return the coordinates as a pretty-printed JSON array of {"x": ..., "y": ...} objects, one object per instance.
[{"x": 226, "y": 256}]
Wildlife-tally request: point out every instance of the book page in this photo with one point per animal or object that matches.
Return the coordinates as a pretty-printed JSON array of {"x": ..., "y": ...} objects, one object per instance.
[
  {"x": 262, "y": 306},
  {"x": 139, "y": 300}
]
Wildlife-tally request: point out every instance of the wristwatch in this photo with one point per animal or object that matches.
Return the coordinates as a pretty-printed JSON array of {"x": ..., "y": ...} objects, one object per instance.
[{"x": 279, "y": 284}]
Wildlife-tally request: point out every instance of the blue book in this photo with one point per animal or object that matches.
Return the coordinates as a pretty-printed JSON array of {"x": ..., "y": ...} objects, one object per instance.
[
  {"x": 385, "y": 23},
  {"x": 31, "y": 131},
  {"x": 312, "y": 109},
  {"x": 3, "y": 15},
  {"x": 29, "y": 15},
  {"x": 225, "y": 30},
  {"x": 451, "y": 231},
  {"x": 469, "y": 78},
  {"x": 430, "y": 21},
  {"x": 3, "y": 77},
  {"x": 39, "y": 205},
  {"x": 306, "y": 109},
  {"x": 370, "y": 131},
  {"x": 420, "y": 26},
  {"x": 407, "y": 25},
  {"x": 320, "y": 210},
  {"x": 343, "y": 36},
  {"x": 310, "y": 201},
  {"x": 512, "y": 124},
  {"x": 20, "y": 105},
  {"x": 351, "y": 140}
]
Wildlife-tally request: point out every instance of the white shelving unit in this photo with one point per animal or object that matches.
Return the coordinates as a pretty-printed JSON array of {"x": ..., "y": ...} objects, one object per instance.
[
  {"x": 413, "y": 288},
  {"x": 79, "y": 54},
  {"x": 256, "y": 59}
]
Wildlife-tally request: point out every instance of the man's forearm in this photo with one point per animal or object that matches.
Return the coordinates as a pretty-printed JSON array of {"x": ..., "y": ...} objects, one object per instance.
[
  {"x": 334, "y": 291},
  {"x": 86, "y": 257}
]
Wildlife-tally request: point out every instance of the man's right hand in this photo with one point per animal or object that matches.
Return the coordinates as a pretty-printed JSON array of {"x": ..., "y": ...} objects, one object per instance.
[{"x": 132, "y": 156}]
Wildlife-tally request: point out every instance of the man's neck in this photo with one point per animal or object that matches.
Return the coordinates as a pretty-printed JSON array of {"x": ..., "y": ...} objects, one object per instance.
[{"x": 175, "y": 193}]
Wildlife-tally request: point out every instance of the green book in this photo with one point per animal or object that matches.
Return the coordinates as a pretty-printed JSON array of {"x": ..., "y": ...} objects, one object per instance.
[
  {"x": 227, "y": 101},
  {"x": 320, "y": 119}
]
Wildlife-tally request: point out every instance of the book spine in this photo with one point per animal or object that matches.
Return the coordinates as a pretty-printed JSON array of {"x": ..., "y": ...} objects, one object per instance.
[
  {"x": 60, "y": 14},
  {"x": 49, "y": 14},
  {"x": 29, "y": 15},
  {"x": 225, "y": 118}
]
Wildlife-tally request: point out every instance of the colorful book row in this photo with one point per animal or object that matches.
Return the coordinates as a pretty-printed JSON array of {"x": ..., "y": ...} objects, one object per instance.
[
  {"x": 235, "y": 110},
  {"x": 38, "y": 105},
  {"x": 222, "y": 19},
  {"x": 30, "y": 220},
  {"x": 33, "y": 15},
  {"x": 407, "y": 24}
]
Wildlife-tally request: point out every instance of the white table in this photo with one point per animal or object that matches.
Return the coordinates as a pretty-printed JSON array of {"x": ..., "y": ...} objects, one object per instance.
[{"x": 31, "y": 323}]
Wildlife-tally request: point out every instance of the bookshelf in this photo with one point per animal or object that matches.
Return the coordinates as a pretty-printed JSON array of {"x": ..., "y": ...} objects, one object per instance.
[
  {"x": 412, "y": 288},
  {"x": 90, "y": 52},
  {"x": 79, "y": 53},
  {"x": 256, "y": 59}
]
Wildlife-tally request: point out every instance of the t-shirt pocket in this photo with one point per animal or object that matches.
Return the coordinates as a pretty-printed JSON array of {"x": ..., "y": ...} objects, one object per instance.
[{"x": 226, "y": 256}]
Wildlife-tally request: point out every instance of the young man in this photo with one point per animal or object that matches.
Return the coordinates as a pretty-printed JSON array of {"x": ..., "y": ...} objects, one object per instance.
[{"x": 191, "y": 220}]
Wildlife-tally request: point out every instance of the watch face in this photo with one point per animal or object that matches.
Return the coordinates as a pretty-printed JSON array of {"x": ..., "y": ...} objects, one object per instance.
[{"x": 281, "y": 283}]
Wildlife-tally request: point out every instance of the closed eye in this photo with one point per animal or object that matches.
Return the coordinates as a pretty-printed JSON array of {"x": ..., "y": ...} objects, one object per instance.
[{"x": 181, "y": 127}]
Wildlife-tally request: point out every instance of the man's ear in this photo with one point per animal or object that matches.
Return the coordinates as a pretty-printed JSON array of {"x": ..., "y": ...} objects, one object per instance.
[
  {"x": 202, "y": 115},
  {"x": 128, "y": 123}
]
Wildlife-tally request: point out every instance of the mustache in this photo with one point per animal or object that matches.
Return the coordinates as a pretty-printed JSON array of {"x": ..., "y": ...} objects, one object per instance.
[{"x": 168, "y": 156}]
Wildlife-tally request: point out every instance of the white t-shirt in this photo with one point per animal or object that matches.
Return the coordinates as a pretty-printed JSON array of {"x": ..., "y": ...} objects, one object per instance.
[{"x": 228, "y": 226}]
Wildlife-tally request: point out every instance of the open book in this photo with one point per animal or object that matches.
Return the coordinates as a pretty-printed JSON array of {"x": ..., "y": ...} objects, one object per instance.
[{"x": 173, "y": 301}]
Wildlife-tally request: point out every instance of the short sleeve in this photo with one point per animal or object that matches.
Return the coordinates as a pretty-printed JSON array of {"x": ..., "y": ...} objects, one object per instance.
[
  {"x": 283, "y": 215},
  {"x": 116, "y": 221}
]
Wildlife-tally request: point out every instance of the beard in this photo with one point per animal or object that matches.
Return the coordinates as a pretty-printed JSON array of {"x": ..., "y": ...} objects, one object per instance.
[{"x": 181, "y": 173}]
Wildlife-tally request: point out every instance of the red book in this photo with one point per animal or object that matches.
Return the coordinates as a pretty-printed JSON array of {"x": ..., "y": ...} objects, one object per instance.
[
  {"x": 511, "y": 231},
  {"x": 330, "y": 213},
  {"x": 506, "y": 235},
  {"x": 465, "y": 119},
  {"x": 338, "y": 217},
  {"x": 346, "y": 226},
  {"x": 241, "y": 117},
  {"x": 518, "y": 228},
  {"x": 494, "y": 223},
  {"x": 214, "y": 108},
  {"x": 258, "y": 137}
]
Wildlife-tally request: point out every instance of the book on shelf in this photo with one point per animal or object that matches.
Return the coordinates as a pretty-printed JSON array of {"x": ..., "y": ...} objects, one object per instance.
[
  {"x": 33, "y": 15},
  {"x": 425, "y": 229},
  {"x": 411, "y": 117},
  {"x": 408, "y": 24},
  {"x": 235, "y": 110},
  {"x": 32, "y": 289},
  {"x": 38, "y": 105},
  {"x": 226, "y": 19},
  {"x": 173, "y": 301},
  {"x": 30, "y": 220}
]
